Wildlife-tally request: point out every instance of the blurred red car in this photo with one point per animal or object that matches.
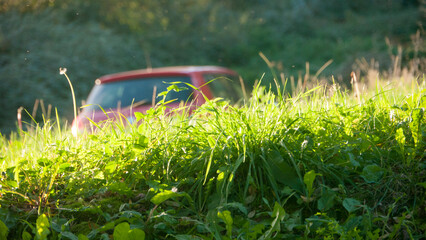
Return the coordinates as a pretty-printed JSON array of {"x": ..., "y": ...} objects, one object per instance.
[{"x": 137, "y": 91}]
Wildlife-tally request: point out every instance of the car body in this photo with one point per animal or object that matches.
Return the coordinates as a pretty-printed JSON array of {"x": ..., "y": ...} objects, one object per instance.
[{"x": 122, "y": 94}]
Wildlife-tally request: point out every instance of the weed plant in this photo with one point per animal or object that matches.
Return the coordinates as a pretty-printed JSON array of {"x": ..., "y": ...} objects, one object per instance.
[{"x": 319, "y": 165}]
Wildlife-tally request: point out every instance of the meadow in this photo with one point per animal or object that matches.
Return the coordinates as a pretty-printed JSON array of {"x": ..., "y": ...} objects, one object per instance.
[{"x": 321, "y": 163}]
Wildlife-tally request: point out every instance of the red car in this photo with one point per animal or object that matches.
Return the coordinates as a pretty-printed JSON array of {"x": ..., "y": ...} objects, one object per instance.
[{"x": 137, "y": 91}]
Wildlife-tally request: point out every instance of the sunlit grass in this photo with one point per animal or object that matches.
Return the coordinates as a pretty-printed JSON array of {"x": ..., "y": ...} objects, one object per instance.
[{"x": 318, "y": 157}]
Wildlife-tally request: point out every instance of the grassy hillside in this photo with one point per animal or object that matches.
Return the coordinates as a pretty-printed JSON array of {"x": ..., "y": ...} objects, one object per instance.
[
  {"x": 320, "y": 164},
  {"x": 93, "y": 38}
]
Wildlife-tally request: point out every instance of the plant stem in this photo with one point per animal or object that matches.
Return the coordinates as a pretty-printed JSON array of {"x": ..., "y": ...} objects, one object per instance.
[{"x": 73, "y": 96}]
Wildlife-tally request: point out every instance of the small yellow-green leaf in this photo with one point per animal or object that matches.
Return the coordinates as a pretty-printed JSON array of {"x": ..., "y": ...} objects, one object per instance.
[
  {"x": 139, "y": 116},
  {"x": 121, "y": 231},
  {"x": 309, "y": 179},
  {"x": 82, "y": 237},
  {"x": 26, "y": 236},
  {"x": 136, "y": 234},
  {"x": 42, "y": 227},
  {"x": 163, "y": 196},
  {"x": 107, "y": 227},
  {"x": 278, "y": 212},
  {"x": 227, "y": 218},
  {"x": 400, "y": 138},
  {"x": 4, "y": 231}
]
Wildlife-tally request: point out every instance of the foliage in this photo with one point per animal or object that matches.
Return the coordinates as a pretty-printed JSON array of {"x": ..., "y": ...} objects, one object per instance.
[
  {"x": 98, "y": 37},
  {"x": 316, "y": 165}
]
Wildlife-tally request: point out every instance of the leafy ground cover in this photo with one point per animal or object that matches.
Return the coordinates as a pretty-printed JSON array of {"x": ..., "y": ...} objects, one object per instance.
[{"x": 318, "y": 165}]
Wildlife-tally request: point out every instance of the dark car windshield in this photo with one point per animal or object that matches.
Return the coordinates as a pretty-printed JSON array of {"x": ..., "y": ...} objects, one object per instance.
[
  {"x": 137, "y": 92},
  {"x": 225, "y": 86}
]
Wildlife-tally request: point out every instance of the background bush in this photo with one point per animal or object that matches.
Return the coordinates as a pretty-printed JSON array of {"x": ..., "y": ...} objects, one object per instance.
[{"x": 93, "y": 38}]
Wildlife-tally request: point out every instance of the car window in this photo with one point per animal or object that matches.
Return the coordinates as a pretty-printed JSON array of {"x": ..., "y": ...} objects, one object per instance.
[
  {"x": 225, "y": 86},
  {"x": 137, "y": 92}
]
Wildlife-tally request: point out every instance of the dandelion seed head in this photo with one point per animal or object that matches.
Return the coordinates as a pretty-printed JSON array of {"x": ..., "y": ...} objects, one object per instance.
[{"x": 62, "y": 71}]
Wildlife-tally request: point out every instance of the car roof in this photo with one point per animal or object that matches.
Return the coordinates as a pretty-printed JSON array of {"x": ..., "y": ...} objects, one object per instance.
[{"x": 163, "y": 71}]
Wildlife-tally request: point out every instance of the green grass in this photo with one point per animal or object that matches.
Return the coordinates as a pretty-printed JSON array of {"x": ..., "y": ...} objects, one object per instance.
[
  {"x": 316, "y": 165},
  {"x": 38, "y": 37}
]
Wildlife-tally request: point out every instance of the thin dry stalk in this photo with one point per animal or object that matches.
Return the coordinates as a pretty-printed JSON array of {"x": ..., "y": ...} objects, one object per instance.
[
  {"x": 283, "y": 82},
  {"x": 19, "y": 117},
  {"x": 243, "y": 87},
  {"x": 154, "y": 94},
  {"x": 293, "y": 87},
  {"x": 49, "y": 110},
  {"x": 43, "y": 109},
  {"x": 322, "y": 68},
  {"x": 35, "y": 108},
  {"x": 354, "y": 83}
]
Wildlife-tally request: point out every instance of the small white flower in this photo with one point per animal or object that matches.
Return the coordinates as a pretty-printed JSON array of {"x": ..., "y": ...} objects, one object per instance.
[
  {"x": 174, "y": 189},
  {"x": 62, "y": 71}
]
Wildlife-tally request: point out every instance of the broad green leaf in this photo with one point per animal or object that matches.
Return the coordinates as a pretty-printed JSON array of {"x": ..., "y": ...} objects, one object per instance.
[
  {"x": 136, "y": 234},
  {"x": 82, "y": 237},
  {"x": 352, "y": 160},
  {"x": 107, "y": 227},
  {"x": 372, "y": 173},
  {"x": 351, "y": 204},
  {"x": 139, "y": 116},
  {"x": 69, "y": 235},
  {"x": 327, "y": 200},
  {"x": 26, "y": 236},
  {"x": 309, "y": 179},
  {"x": 283, "y": 172},
  {"x": 110, "y": 167},
  {"x": 4, "y": 231},
  {"x": 142, "y": 142},
  {"x": 163, "y": 196},
  {"x": 11, "y": 184},
  {"x": 99, "y": 175},
  {"x": 64, "y": 167},
  {"x": 227, "y": 218},
  {"x": 42, "y": 227},
  {"x": 176, "y": 88},
  {"x": 278, "y": 214},
  {"x": 164, "y": 93},
  {"x": 121, "y": 231}
]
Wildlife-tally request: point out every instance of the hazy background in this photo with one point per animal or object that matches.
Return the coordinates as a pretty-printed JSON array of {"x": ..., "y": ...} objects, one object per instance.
[{"x": 98, "y": 37}]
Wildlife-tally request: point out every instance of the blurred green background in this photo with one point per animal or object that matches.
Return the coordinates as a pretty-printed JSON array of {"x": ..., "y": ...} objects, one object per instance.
[{"x": 98, "y": 37}]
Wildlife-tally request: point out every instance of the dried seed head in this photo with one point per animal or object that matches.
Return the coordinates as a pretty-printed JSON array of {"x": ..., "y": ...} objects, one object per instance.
[{"x": 62, "y": 71}]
